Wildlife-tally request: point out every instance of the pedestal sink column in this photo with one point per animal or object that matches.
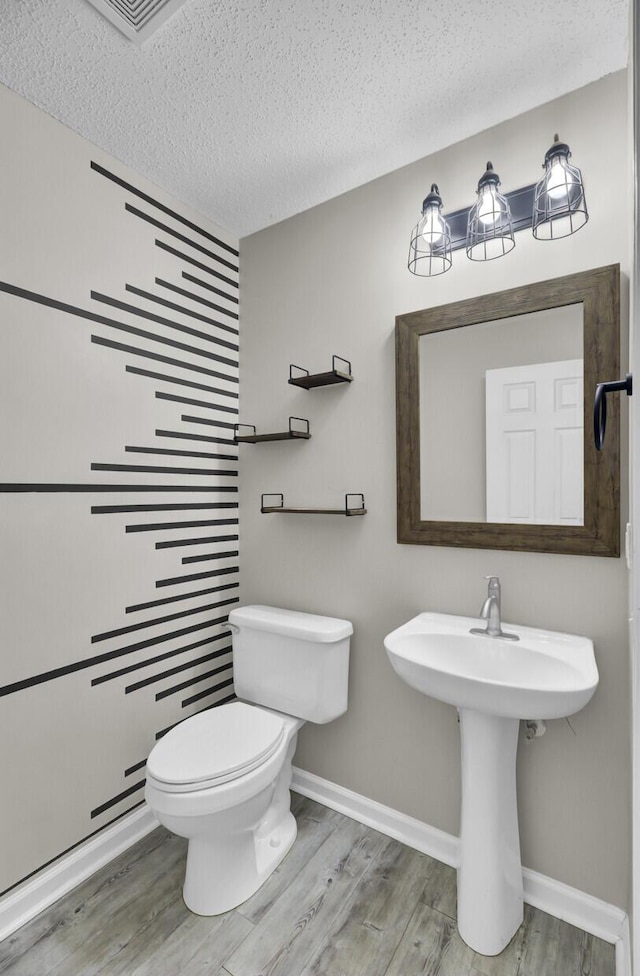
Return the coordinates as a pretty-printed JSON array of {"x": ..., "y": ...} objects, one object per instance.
[{"x": 490, "y": 873}]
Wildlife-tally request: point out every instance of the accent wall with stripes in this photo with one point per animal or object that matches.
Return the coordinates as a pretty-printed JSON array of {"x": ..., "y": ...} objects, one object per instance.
[{"x": 118, "y": 485}]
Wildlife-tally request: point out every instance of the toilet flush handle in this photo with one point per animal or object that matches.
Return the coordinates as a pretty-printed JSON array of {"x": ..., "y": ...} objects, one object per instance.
[{"x": 233, "y": 627}]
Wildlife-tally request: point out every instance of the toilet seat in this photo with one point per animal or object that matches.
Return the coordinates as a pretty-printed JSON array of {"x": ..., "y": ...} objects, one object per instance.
[{"x": 214, "y": 747}]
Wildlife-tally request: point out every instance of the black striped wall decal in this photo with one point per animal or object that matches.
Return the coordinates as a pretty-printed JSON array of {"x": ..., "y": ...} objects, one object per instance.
[
  {"x": 161, "y": 320},
  {"x": 165, "y": 451},
  {"x": 170, "y": 672},
  {"x": 220, "y": 356},
  {"x": 179, "y": 308},
  {"x": 160, "y": 206},
  {"x": 180, "y": 237},
  {"x": 150, "y": 604},
  {"x": 206, "y": 693},
  {"x": 195, "y": 298},
  {"x": 209, "y": 287},
  {"x": 192, "y": 261},
  {"x": 196, "y": 576},
  {"x": 189, "y": 436},
  {"x": 175, "y": 380},
  {"x": 155, "y": 621},
  {"x": 161, "y": 526},
  {"x": 112, "y": 675},
  {"x": 174, "y": 689},
  {"x": 172, "y": 543},
  {"x": 158, "y": 358}
]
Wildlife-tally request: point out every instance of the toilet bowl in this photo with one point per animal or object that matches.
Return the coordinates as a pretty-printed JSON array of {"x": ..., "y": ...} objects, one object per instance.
[{"x": 221, "y": 777}]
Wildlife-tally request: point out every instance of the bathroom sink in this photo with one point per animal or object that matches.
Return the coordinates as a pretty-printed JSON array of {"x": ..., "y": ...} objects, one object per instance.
[
  {"x": 494, "y": 682},
  {"x": 542, "y": 675}
]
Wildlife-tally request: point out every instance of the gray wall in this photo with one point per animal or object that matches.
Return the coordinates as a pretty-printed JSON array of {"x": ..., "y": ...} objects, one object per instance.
[
  {"x": 85, "y": 595},
  {"x": 331, "y": 280}
]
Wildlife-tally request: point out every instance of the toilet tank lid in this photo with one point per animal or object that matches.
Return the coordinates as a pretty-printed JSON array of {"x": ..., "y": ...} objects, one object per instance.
[{"x": 292, "y": 623}]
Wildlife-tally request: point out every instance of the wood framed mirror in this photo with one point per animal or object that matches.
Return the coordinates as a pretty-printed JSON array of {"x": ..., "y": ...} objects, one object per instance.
[{"x": 486, "y": 389}]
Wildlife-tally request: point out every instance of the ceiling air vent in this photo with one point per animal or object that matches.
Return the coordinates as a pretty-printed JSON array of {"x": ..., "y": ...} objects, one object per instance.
[{"x": 137, "y": 19}]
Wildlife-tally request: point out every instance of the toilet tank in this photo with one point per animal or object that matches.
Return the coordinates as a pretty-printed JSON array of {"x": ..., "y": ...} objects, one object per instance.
[{"x": 296, "y": 663}]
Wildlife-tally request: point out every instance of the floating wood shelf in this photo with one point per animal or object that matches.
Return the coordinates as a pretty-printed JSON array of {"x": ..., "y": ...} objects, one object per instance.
[
  {"x": 348, "y": 509},
  {"x": 292, "y": 434},
  {"x": 310, "y": 380}
]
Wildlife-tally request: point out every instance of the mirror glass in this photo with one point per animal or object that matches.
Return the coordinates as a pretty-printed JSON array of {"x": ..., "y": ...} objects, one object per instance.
[
  {"x": 510, "y": 425},
  {"x": 494, "y": 419}
]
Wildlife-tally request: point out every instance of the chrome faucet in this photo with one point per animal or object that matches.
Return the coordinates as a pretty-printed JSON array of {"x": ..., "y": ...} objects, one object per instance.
[{"x": 491, "y": 613}]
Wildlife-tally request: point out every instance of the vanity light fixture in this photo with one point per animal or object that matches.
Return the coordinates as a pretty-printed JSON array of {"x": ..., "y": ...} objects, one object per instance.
[
  {"x": 555, "y": 207},
  {"x": 489, "y": 230},
  {"x": 430, "y": 248},
  {"x": 559, "y": 206}
]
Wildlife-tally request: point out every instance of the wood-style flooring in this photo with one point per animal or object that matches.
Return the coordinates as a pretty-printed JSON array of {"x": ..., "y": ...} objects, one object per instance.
[{"x": 346, "y": 901}]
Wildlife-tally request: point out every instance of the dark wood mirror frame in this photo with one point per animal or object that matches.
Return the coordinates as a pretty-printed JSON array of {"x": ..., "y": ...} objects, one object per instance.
[{"x": 599, "y": 293}]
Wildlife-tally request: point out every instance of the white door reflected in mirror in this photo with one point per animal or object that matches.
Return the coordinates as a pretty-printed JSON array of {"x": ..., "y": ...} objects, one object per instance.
[
  {"x": 535, "y": 443},
  {"x": 468, "y": 473}
]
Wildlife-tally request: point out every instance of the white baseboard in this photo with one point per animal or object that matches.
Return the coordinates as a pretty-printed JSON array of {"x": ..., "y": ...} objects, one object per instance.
[
  {"x": 590, "y": 914},
  {"x": 33, "y": 896}
]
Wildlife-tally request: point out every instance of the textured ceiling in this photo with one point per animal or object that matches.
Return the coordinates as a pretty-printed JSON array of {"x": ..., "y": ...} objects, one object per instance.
[{"x": 254, "y": 110}]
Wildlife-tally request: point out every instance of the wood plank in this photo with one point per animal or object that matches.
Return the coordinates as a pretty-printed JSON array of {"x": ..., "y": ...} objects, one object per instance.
[
  {"x": 365, "y": 934},
  {"x": 440, "y": 890},
  {"x": 293, "y": 929},
  {"x": 431, "y": 946},
  {"x": 78, "y": 903},
  {"x": 85, "y": 945},
  {"x": 197, "y": 946}
]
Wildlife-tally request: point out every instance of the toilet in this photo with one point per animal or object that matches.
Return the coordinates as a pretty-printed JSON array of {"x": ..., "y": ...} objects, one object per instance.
[{"x": 221, "y": 778}]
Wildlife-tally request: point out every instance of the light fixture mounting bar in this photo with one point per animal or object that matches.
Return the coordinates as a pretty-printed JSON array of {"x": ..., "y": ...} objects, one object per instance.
[{"x": 520, "y": 202}]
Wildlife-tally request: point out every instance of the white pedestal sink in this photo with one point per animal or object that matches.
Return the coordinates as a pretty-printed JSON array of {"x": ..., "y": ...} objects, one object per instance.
[{"x": 493, "y": 683}]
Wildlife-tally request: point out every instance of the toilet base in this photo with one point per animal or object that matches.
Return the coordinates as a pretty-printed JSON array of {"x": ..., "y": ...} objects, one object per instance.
[{"x": 243, "y": 866}]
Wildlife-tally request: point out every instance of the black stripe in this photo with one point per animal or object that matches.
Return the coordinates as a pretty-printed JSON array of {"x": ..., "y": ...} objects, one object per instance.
[
  {"x": 174, "y": 398},
  {"x": 187, "y": 259},
  {"x": 38, "y": 679},
  {"x": 223, "y": 701},
  {"x": 196, "y": 298},
  {"x": 107, "y": 635},
  {"x": 151, "y": 468},
  {"x": 146, "y": 354},
  {"x": 161, "y": 206},
  {"x": 188, "y": 419},
  {"x": 114, "y": 509},
  {"x": 161, "y": 526},
  {"x": 205, "y": 284},
  {"x": 209, "y": 555},
  {"x": 197, "y": 576},
  {"x": 111, "y": 324},
  {"x": 191, "y": 681},
  {"x": 189, "y": 454},
  {"x": 195, "y": 437},
  {"x": 134, "y": 310},
  {"x": 73, "y": 488},
  {"x": 210, "y": 422},
  {"x": 134, "y": 769},
  {"x": 180, "y": 237},
  {"x": 206, "y": 692},
  {"x": 77, "y": 843},
  {"x": 181, "y": 308},
  {"x": 145, "y": 682},
  {"x": 195, "y": 542},
  {"x": 175, "y": 379},
  {"x": 116, "y": 799},
  {"x": 164, "y": 341},
  {"x": 182, "y": 596},
  {"x": 111, "y": 675}
]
